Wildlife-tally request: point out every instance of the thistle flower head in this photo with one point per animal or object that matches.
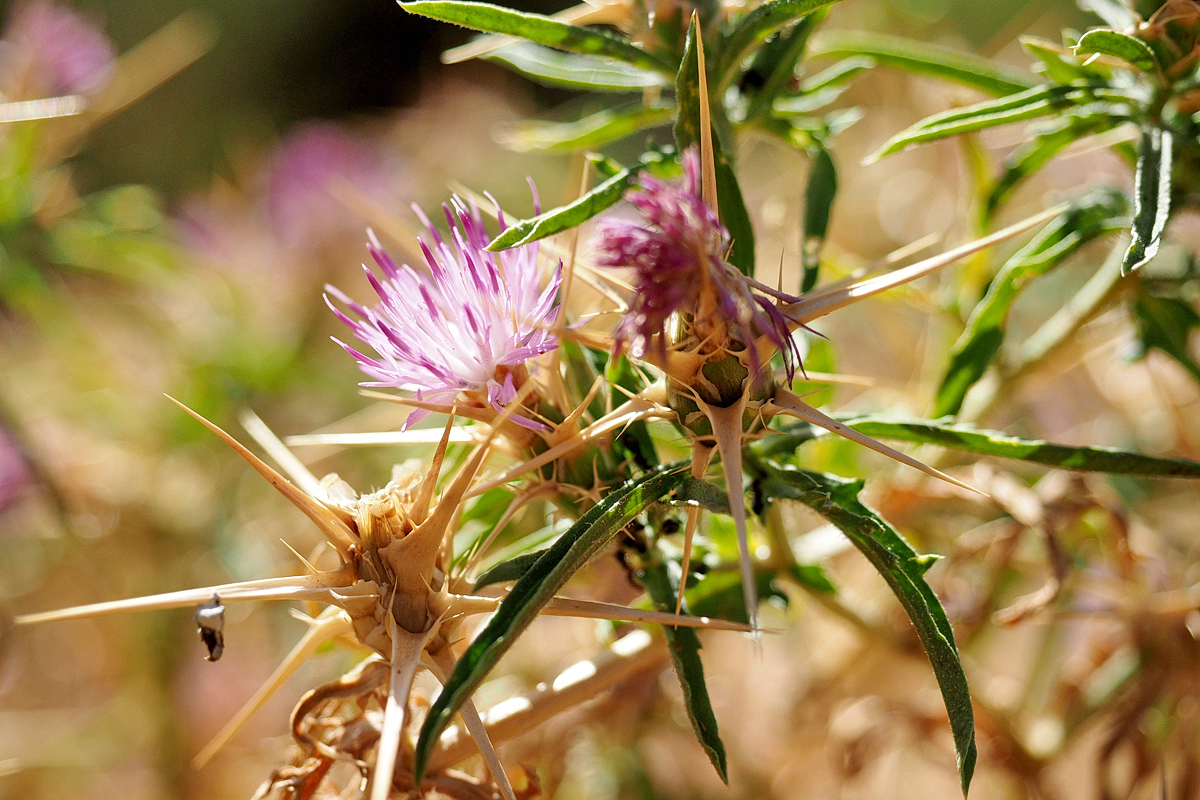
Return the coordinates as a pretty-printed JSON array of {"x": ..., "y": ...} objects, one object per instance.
[
  {"x": 470, "y": 325},
  {"x": 678, "y": 254},
  {"x": 56, "y": 51}
]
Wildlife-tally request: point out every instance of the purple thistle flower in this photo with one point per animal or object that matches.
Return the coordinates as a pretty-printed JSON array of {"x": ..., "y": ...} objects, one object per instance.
[
  {"x": 678, "y": 253},
  {"x": 468, "y": 326},
  {"x": 57, "y": 50}
]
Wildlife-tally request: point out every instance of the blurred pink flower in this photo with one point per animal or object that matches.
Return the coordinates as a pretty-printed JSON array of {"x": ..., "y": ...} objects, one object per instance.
[
  {"x": 303, "y": 173},
  {"x": 56, "y": 50},
  {"x": 14, "y": 472},
  {"x": 466, "y": 326}
]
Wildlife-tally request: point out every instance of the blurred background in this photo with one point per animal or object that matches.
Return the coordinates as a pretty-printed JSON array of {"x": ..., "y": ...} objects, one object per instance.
[{"x": 179, "y": 244}]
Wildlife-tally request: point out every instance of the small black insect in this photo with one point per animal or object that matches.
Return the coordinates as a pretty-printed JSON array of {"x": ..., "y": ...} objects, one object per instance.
[{"x": 210, "y": 621}]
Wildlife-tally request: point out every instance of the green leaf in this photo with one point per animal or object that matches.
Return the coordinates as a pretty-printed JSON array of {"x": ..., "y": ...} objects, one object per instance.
[
  {"x": 839, "y": 74},
  {"x": 773, "y": 66},
  {"x": 1115, "y": 13},
  {"x": 836, "y": 499},
  {"x": 730, "y": 202},
  {"x": 1036, "y": 102},
  {"x": 925, "y": 59},
  {"x": 992, "y": 443},
  {"x": 818, "y": 200},
  {"x": 575, "y": 70},
  {"x": 1152, "y": 197},
  {"x": 1031, "y": 156},
  {"x": 1166, "y": 323},
  {"x": 590, "y": 132},
  {"x": 634, "y": 442},
  {"x": 595, "y": 529},
  {"x": 1061, "y": 68},
  {"x": 511, "y": 570},
  {"x": 719, "y": 594},
  {"x": 684, "y": 645},
  {"x": 706, "y": 494},
  {"x": 1097, "y": 214},
  {"x": 1118, "y": 45},
  {"x": 741, "y": 36},
  {"x": 687, "y": 95},
  {"x": 564, "y": 217},
  {"x": 538, "y": 29},
  {"x": 555, "y": 67}
]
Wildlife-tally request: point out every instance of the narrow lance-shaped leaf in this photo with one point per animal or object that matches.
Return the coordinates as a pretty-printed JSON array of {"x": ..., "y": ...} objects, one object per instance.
[
  {"x": 1036, "y": 102},
  {"x": 993, "y": 443},
  {"x": 562, "y": 218},
  {"x": 774, "y": 64},
  {"x": 1115, "y": 13},
  {"x": 740, "y": 36},
  {"x": 926, "y": 59},
  {"x": 538, "y": 29},
  {"x": 552, "y": 67},
  {"x": 684, "y": 645},
  {"x": 1152, "y": 197},
  {"x": 1033, "y": 155},
  {"x": 590, "y": 132},
  {"x": 838, "y": 74},
  {"x": 1166, "y": 323},
  {"x": 818, "y": 201},
  {"x": 1060, "y": 68},
  {"x": 510, "y": 570},
  {"x": 730, "y": 203},
  {"x": 836, "y": 499},
  {"x": 1097, "y": 214},
  {"x": 585, "y": 538},
  {"x": 1118, "y": 45}
]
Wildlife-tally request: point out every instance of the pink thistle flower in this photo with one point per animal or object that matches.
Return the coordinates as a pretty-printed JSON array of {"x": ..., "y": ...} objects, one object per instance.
[
  {"x": 470, "y": 325},
  {"x": 57, "y": 50},
  {"x": 679, "y": 252}
]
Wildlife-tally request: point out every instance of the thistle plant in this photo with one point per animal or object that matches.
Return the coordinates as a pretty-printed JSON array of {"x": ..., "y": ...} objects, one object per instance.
[{"x": 667, "y": 421}]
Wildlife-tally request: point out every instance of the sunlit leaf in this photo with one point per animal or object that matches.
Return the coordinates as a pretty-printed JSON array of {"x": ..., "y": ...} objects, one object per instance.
[
  {"x": 595, "y": 529},
  {"x": 772, "y": 68},
  {"x": 819, "y": 194},
  {"x": 511, "y": 570},
  {"x": 552, "y": 67},
  {"x": 836, "y": 499},
  {"x": 1152, "y": 197},
  {"x": 538, "y": 29},
  {"x": 591, "y": 131},
  {"x": 1095, "y": 215},
  {"x": 1045, "y": 144},
  {"x": 1115, "y": 13},
  {"x": 1118, "y": 45},
  {"x": 1166, "y": 324},
  {"x": 562, "y": 218},
  {"x": 925, "y": 59},
  {"x": 993, "y": 443},
  {"x": 744, "y": 33},
  {"x": 1060, "y": 67},
  {"x": 684, "y": 645},
  {"x": 1032, "y": 103}
]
